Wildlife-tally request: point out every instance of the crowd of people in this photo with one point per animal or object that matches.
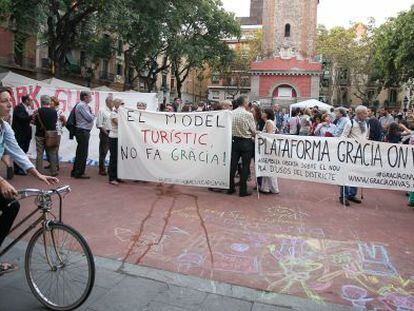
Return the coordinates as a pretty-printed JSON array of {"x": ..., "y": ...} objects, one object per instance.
[{"x": 248, "y": 119}]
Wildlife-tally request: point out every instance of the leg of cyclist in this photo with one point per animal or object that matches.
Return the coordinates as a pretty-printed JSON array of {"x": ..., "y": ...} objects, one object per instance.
[{"x": 7, "y": 216}]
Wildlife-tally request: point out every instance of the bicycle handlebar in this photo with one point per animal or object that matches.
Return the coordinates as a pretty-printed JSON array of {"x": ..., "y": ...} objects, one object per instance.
[{"x": 25, "y": 193}]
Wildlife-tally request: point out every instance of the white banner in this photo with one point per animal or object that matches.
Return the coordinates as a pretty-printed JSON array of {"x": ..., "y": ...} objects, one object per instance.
[
  {"x": 68, "y": 99},
  {"x": 365, "y": 164},
  {"x": 189, "y": 149}
]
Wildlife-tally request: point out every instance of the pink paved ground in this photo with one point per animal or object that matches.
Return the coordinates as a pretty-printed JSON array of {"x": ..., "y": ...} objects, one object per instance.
[{"x": 301, "y": 242}]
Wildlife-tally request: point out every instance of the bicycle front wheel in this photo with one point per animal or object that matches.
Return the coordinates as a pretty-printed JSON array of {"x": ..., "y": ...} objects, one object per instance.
[{"x": 59, "y": 267}]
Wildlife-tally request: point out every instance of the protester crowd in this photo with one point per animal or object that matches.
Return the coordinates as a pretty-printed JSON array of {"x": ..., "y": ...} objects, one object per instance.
[{"x": 248, "y": 119}]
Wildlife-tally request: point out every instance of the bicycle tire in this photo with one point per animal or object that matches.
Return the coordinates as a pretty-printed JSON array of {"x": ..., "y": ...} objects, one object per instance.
[{"x": 56, "y": 271}]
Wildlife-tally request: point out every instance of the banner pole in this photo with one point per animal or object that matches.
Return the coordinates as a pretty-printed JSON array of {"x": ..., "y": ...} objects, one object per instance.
[
  {"x": 343, "y": 196},
  {"x": 362, "y": 193},
  {"x": 257, "y": 188}
]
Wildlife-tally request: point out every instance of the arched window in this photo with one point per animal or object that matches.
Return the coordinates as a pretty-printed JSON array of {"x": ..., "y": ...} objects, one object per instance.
[{"x": 287, "y": 30}]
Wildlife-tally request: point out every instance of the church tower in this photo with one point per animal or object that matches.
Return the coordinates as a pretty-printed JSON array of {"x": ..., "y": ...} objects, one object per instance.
[
  {"x": 289, "y": 28},
  {"x": 287, "y": 72}
]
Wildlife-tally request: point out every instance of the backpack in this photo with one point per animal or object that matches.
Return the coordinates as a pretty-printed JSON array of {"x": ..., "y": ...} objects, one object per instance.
[{"x": 71, "y": 123}]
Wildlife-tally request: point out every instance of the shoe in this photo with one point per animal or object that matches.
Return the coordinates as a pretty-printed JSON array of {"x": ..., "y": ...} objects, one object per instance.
[
  {"x": 9, "y": 173},
  {"x": 7, "y": 268},
  {"x": 82, "y": 177},
  {"x": 120, "y": 181},
  {"x": 344, "y": 202},
  {"x": 114, "y": 183},
  {"x": 47, "y": 167},
  {"x": 264, "y": 192},
  {"x": 411, "y": 205},
  {"x": 103, "y": 173},
  {"x": 231, "y": 191},
  {"x": 355, "y": 200},
  {"x": 247, "y": 194}
]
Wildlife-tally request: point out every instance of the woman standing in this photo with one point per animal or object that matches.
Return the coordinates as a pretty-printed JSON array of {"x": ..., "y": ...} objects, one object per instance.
[
  {"x": 325, "y": 128},
  {"x": 305, "y": 123},
  {"x": 269, "y": 184},
  {"x": 396, "y": 132},
  {"x": 113, "y": 144}
]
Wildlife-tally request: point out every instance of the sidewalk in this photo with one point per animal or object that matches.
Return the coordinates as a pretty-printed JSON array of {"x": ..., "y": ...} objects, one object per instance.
[{"x": 136, "y": 288}]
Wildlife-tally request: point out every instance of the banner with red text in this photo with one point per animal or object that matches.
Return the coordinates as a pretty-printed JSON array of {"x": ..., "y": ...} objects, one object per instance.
[
  {"x": 68, "y": 98},
  {"x": 345, "y": 162},
  {"x": 188, "y": 149}
]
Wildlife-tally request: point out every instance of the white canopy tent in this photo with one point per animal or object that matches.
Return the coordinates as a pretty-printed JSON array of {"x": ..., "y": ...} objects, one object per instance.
[
  {"x": 11, "y": 79},
  {"x": 310, "y": 104},
  {"x": 103, "y": 88},
  {"x": 61, "y": 83}
]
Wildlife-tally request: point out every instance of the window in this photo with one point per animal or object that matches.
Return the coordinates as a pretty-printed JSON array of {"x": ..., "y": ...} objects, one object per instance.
[
  {"x": 119, "y": 70},
  {"x": 287, "y": 30},
  {"x": 172, "y": 83},
  {"x": 393, "y": 97},
  {"x": 120, "y": 47},
  {"x": 215, "y": 79},
  {"x": 215, "y": 95},
  {"x": 82, "y": 58},
  {"x": 285, "y": 91}
]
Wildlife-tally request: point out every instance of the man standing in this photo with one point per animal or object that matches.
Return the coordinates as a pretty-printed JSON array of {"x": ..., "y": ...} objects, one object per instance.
[
  {"x": 84, "y": 123},
  {"x": 341, "y": 121},
  {"x": 279, "y": 116},
  {"x": 386, "y": 119},
  {"x": 22, "y": 117},
  {"x": 46, "y": 120},
  {"x": 103, "y": 123},
  {"x": 356, "y": 129},
  {"x": 244, "y": 130},
  {"x": 375, "y": 129}
]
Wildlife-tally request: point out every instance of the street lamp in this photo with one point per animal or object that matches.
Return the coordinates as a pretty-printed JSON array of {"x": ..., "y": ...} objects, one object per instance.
[{"x": 405, "y": 106}]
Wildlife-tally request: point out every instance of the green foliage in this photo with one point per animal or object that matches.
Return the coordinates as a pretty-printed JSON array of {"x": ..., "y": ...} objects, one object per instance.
[
  {"x": 351, "y": 50},
  {"x": 394, "y": 44}
]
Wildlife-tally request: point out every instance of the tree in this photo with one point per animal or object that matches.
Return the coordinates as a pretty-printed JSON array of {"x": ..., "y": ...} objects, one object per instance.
[
  {"x": 143, "y": 28},
  {"x": 394, "y": 49},
  {"x": 348, "y": 54},
  {"x": 59, "y": 23},
  {"x": 235, "y": 66},
  {"x": 198, "y": 39}
]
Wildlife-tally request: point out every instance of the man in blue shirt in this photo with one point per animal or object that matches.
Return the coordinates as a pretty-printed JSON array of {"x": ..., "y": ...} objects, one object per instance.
[
  {"x": 84, "y": 124},
  {"x": 341, "y": 121},
  {"x": 7, "y": 192}
]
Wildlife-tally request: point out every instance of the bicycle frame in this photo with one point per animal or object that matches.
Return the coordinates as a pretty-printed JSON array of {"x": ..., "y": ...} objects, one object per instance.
[{"x": 42, "y": 219}]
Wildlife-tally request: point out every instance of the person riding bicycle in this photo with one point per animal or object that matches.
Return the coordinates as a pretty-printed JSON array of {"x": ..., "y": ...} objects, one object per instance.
[{"x": 7, "y": 192}]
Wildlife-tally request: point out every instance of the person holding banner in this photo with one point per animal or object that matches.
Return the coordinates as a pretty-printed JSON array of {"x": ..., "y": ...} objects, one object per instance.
[
  {"x": 411, "y": 194},
  {"x": 269, "y": 185},
  {"x": 103, "y": 123},
  {"x": 84, "y": 123},
  {"x": 113, "y": 144},
  {"x": 244, "y": 130},
  {"x": 358, "y": 129}
]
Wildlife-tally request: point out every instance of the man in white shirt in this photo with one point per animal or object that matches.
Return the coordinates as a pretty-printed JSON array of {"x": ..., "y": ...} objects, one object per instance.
[
  {"x": 358, "y": 129},
  {"x": 103, "y": 123}
]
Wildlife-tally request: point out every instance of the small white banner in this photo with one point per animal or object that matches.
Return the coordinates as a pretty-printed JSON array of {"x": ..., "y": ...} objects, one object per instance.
[
  {"x": 189, "y": 149},
  {"x": 344, "y": 162}
]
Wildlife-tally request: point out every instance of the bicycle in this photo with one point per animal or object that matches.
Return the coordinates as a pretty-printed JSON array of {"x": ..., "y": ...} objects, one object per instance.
[{"x": 59, "y": 265}]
